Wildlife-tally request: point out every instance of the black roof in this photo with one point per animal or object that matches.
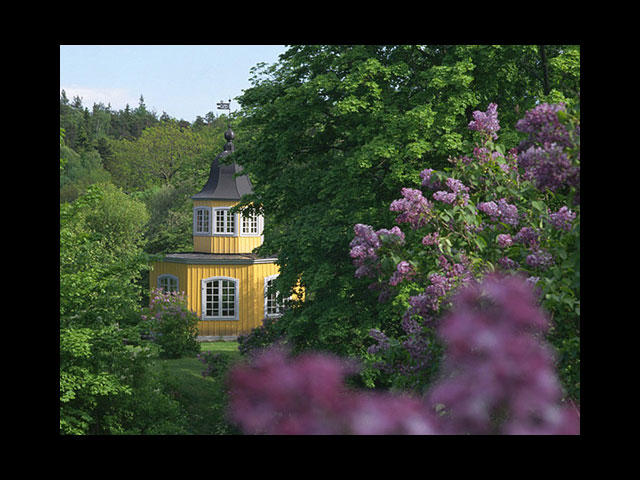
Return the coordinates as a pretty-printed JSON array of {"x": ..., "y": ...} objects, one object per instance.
[{"x": 222, "y": 183}]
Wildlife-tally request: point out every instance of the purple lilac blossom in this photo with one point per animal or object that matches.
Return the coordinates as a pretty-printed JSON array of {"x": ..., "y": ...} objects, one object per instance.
[
  {"x": 307, "y": 396},
  {"x": 503, "y": 211},
  {"x": 528, "y": 236},
  {"x": 543, "y": 126},
  {"x": 403, "y": 271},
  {"x": 508, "y": 264},
  {"x": 504, "y": 240},
  {"x": 548, "y": 167},
  {"x": 413, "y": 207},
  {"x": 427, "y": 181},
  {"x": 562, "y": 219},
  {"x": 430, "y": 239},
  {"x": 496, "y": 362},
  {"x": 445, "y": 197},
  {"x": 539, "y": 259},
  {"x": 486, "y": 122},
  {"x": 364, "y": 249}
]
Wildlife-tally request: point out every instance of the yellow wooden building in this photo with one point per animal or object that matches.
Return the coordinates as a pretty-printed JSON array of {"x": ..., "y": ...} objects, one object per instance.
[{"x": 225, "y": 283}]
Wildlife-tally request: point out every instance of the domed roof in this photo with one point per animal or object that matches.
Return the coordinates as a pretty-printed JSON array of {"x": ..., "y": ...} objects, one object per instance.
[{"x": 223, "y": 184}]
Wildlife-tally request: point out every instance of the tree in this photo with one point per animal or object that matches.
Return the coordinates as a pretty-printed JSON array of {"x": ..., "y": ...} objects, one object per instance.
[
  {"x": 330, "y": 135},
  {"x": 161, "y": 155}
]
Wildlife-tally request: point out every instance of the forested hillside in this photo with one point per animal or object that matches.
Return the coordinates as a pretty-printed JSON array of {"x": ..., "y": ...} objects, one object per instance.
[{"x": 157, "y": 160}]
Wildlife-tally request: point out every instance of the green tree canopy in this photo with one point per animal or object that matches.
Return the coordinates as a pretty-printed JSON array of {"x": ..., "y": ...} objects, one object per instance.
[{"x": 331, "y": 133}]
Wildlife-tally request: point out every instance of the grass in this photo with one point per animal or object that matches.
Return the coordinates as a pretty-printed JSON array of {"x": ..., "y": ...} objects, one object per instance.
[{"x": 203, "y": 399}]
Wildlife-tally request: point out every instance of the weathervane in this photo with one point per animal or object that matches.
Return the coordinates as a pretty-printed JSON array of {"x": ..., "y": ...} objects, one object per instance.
[{"x": 225, "y": 106}]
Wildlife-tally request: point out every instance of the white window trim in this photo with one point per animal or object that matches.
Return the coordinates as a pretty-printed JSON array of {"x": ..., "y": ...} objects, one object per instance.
[
  {"x": 214, "y": 225},
  {"x": 203, "y": 295},
  {"x": 259, "y": 225},
  {"x": 172, "y": 277},
  {"x": 195, "y": 221},
  {"x": 266, "y": 283}
]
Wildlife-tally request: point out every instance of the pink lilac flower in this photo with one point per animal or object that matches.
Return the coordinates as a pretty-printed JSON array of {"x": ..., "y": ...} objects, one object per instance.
[
  {"x": 430, "y": 239},
  {"x": 539, "y": 259},
  {"x": 427, "y": 181},
  {"x": 413, "y": 207},
  {"x": 562, "y": 219},
  {"x": 395, "y": 234},
  {"x": 528, "y": 236},
  {"x": 508, "y": 213},
  {"x": 548, "y": 167},
  {"x": 277, "y": 395},
  {"x": 403, "y": 271},
  {"x": 383, "y": 342},
  {"x": 504, "y": 240},
  {"x": 445, "y": 197},
  {"x": 503, "y": 211},
  {"x": 508, "y": 264},
  {"x": 543, "y": 126},
  {"x": 486, "y": 122},
  {"x": 490, "y": 208},
  {"x": 496, "y": 362},
  {"x": 364, "y": 248}
]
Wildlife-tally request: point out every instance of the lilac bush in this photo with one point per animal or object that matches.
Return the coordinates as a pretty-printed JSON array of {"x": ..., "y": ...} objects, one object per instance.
[
  {"x": 498, "y": 378},
  {"x": 172, "y": 325},
  {"x": 490, "y": 211}
]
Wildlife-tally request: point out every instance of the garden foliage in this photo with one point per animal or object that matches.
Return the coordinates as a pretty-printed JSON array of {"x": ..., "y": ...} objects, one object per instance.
[
  {"x": 173, "y": 327},
  {"x": 105, "y": 385}
]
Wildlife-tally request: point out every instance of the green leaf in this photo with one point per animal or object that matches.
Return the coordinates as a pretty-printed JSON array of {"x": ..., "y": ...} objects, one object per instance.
[{"x": 538, "y": 205}]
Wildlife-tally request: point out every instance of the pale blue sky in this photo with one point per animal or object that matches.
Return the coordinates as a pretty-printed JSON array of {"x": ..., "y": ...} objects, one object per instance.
[{"x": 183, "y": 80}]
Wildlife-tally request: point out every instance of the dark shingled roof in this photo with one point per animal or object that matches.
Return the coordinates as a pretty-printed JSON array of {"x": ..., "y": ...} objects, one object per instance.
[{"x": 222, "y": 183}]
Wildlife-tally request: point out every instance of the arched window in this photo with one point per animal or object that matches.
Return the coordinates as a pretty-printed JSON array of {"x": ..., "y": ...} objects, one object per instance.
[
  {"x": 272, "y": 302},
  {"x": 202, "y": 221},
  {"x": 168, "y": 283},
  {"x": 220, "y": 298}
]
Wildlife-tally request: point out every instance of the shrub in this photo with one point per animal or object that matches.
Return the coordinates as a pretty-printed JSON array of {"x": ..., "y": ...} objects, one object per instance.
[
  {"x": 171, "y": 324},
  {"x": 215, "y": 364},
  {"x": 493, "y": 210},
  {"x": 260, "y": 337}
]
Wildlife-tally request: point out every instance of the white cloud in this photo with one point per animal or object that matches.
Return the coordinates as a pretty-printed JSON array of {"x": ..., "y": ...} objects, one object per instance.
[{"x": 117, "y": 97}]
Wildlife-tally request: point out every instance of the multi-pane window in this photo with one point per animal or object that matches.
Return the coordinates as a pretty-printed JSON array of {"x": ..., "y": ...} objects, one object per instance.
[
  {"x": 202, "y": 220},
  {"x": 250, "y": 225},
  {"x": 225, "y": 222},
  {"x": 168, "y": 283},
  {"x": 219, "y": 298},
  {"x": 272, "y": 301}
]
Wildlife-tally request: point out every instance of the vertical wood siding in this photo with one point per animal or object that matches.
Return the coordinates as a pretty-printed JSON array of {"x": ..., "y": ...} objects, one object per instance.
[
  {"x": 250, "y": 292},
  {"x": 221, "y": 244}
]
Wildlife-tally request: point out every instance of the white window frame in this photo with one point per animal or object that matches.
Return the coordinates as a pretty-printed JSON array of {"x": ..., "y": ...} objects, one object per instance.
[
  {"x": 279, "y": 307},
  {"x": 214, "y": 222},
  {"x": 203, "y": 291},
  {"x": 195, "y": 221},
  {"x": 259, "y": 226},
  {"x": 169, "y": 277}
]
